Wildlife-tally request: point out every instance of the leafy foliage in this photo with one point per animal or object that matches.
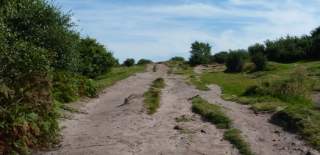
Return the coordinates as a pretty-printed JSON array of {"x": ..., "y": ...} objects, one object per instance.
[
  {"x": 200, "y": 53},
  {"x": 259, "y": 60},
  {"x": 42, "y": 59},
  {"x": 144, "y": 62},
  {"x": 94, "y": 58},
  {"x": 177, "y": 58},
  {"x": 129, "y": 62},
  {"x": 235, "y": 62},
  {"x": 220, "y": 57}
]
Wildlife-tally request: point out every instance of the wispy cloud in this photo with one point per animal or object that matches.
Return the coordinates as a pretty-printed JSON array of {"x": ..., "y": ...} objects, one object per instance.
[{"x": 163, "y": 29}]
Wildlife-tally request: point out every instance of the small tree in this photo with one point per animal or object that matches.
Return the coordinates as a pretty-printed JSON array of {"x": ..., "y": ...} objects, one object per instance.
[
  {"x": 144, "y": 61},
  {"x": 259, "y": 60},
  {"x": 200, "y": 53},
  {"x": 235, "y": 62},
  {"x": 129, "y": 62}
]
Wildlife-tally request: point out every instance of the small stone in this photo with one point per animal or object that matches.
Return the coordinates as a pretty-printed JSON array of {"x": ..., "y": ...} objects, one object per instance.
[
  {"x": 203, "y": 131},
  {"x": 177, "y": 127}
]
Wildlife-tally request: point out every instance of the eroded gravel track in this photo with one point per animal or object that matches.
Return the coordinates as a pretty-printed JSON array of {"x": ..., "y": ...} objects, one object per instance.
[{"x": 109, "y": 127}]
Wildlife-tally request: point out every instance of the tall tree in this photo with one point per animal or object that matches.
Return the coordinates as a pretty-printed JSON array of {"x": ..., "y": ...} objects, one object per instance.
[{"x": 200, "y": 53}]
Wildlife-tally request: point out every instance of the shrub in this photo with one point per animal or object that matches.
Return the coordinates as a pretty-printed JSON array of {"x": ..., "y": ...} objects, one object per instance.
[
  {"x": 144, "y": 62},
  {"x": 220, "y": 57},
  {"x": 314, "y": 51},
  {"x": 235, "y": 62},
  {"x": 259, "y": 60},
  {"x": 68, "y": 87},
  {"x": 177, "y": 58},
  {"x": 128, "y": 62},
  {"x": 200, "y": 53},
  {"x": 255, "y": 49},
  {"x": 94, "y": 58}
]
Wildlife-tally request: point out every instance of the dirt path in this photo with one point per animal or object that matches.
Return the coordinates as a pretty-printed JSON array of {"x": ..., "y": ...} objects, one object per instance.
[
  {"x": 110, "y": 128},
  {"x": 264, "y": 138}
]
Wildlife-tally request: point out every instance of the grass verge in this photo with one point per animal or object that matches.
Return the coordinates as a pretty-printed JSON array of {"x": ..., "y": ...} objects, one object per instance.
[
  {"x": 210, "y": 112},
  {"x": 234, "y": 137},
  {"x": 215, "y": 115},
  {"x": 152, "y": 96},
  {"x": 182, "y": 68},
  {"x": 282, "y": 89},
  {"x": 117, "y": 74}
]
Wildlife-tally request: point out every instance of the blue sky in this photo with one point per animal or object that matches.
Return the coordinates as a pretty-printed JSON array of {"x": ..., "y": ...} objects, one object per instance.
[{"x": 161, "y": 29}]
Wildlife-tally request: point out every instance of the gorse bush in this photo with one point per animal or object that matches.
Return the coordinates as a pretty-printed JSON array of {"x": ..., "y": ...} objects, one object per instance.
[
  {"x": 94, "y": 58},
  {"x": 129, "y": 62},
  {"x": 235, "y": 62},
  {"x": 220, "y": 57},
  {"x": 176, "y": 58},
  {"x": 259, "y": 60},
  {"x": 144, "y": 62}
]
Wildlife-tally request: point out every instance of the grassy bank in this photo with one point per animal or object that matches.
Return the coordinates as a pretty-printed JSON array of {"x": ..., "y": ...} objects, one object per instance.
[
  {"x": 117, "y": 74},
  {"x": 152, "y": 96},
  {"x": 215, "y": 115},
  {"x": 283, "y": 89},
  {"x": 181, "y": 68}
]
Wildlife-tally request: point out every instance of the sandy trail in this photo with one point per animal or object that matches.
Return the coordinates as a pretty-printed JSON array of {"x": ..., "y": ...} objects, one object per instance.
[
  {"x": 107, "y": 128},
  {"x": 264, "y": 137},
  {"x": 110, "y": 128}
]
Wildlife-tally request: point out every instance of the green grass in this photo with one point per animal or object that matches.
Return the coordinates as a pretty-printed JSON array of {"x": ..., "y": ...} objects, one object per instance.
[
  {"x": 183, "y": 118},
  {"x": 152, "y": 96},
  {"x": 234, "y": 137},
  {"x": 182, "y": 68},
  {"x": 210, "y": 112},
  {"x": 215, "y": 115},
  {"x": 291, "y": 105},
  {"x": 117, "y": 74}
]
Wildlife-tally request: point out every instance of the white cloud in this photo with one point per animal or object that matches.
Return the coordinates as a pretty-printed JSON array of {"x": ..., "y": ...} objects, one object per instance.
[{"x": 162, "y": 31}]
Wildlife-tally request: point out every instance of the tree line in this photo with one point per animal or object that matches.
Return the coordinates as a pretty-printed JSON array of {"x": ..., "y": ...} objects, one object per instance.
[{"x": 284, "y": 50}]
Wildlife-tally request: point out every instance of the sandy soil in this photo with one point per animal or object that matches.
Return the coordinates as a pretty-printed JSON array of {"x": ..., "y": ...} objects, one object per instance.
[
  {"x": 107, "y": 126},
  {"x": 264, "y": 137}
]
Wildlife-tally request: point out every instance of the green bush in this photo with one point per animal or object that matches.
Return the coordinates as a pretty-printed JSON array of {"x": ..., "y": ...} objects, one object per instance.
[
  {"x": 260, "y": 61},
  {"x": 94, "y": 58},
  {"x": 68, "y": 87},
  {"x": 220, "y": 57},
  {"x": 129, "y": 62},
  {"x": 235, "y": 62},
  {"x": 177, "y": 58},
  {"x": 144, "y": 62},
  {"x": 200, "y": 53}
]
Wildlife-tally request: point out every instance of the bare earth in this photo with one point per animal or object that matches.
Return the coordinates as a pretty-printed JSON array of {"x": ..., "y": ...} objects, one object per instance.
[{"x": 110, "y": 127}]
